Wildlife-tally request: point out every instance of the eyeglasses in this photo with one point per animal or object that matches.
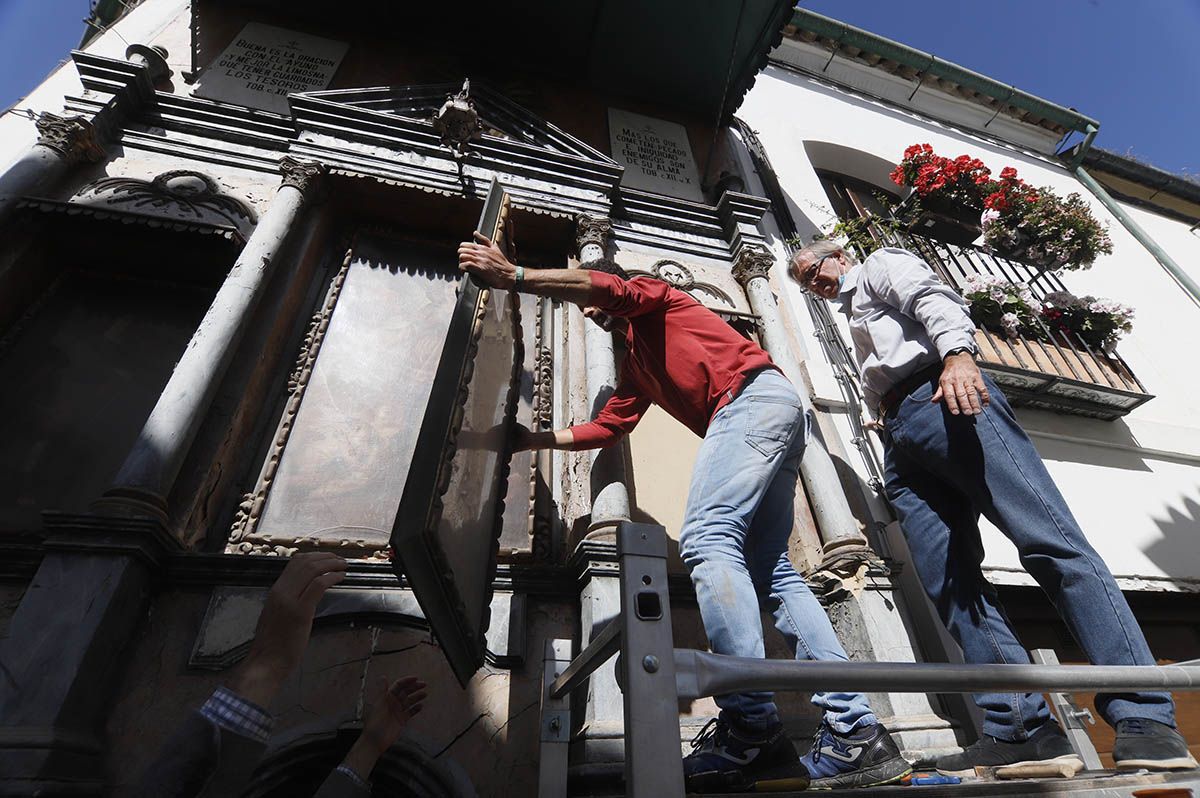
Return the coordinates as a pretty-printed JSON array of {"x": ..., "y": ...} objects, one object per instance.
[{"x": 810, "y": 274}]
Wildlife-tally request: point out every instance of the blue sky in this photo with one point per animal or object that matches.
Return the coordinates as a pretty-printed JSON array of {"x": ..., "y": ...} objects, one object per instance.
[
  {"x": 1132, "y": 64},
  {"x": 34, "y": 36}
]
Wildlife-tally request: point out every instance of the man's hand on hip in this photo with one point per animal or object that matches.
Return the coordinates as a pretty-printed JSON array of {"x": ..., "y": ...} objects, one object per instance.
[
  {"x": 961, "y": 386},
  {"x": 484, "y": 260}
]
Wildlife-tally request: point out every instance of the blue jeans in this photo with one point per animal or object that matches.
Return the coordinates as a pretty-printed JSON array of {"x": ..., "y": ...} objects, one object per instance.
[
  {"x": 943, "y": 471},
  {"x": 734, "y": 544}
]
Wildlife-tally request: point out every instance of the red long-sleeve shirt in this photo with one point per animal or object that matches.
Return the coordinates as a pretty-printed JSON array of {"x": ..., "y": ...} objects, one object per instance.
[{"x": 679, "y": 355}]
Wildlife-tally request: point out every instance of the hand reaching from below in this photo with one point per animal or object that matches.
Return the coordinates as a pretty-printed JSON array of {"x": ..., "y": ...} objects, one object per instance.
[
  {"x": 396, "y": 706},
  {"x": 286, "y": 624}
]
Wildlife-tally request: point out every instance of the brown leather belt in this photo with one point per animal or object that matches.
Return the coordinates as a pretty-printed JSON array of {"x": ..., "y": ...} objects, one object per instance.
[{"x": 898, "y": 392}]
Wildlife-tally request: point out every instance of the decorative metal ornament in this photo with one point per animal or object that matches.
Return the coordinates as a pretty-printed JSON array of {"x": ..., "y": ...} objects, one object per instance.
[
  {"x": 153, "y": 58},
  {"x": 457, "y": 121},
  {"x": 674, "y": 273}
]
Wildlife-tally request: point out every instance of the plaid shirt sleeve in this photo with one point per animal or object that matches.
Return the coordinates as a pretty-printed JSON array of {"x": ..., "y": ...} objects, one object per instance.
[
  {"x": 234, "y": 713},
  {"x": 353, "y": 777}
]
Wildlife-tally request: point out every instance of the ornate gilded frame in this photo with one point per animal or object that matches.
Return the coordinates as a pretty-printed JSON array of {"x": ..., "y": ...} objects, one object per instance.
[{"x": 433, "y": 567}]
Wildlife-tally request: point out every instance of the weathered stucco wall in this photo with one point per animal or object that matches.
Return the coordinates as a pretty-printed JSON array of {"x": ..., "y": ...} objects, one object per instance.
[{"x": 489, "y": 730}]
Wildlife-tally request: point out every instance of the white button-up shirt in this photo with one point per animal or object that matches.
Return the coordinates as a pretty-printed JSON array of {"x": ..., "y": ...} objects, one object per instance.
[{"x": 903, "y": 318}]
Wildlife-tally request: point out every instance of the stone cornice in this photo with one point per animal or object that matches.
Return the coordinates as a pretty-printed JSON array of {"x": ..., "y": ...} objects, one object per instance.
[
  {"x": 142, "y": 538},
  {"x": 359, "y": 141}
]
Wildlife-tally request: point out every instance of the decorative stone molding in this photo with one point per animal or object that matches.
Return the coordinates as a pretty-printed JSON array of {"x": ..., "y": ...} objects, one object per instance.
[
  {"x": 72, "y": 137},
  {"x": 752, "y": 262},
  {"x": 457, "y": 122},
  {"x": 592, "y": 230},
  {"x": 305, "y": 176},
  {"x": 179, "y": 194},
  {"x": 674, "y": 273},
  {"x": 540, "y": 524},
  {"x": 241, "y": 535},
  {"x": 543, "y": 375}
]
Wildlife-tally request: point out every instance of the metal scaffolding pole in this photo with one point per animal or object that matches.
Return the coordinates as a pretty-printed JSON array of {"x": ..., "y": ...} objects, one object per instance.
[{"x": 699, "y": 674}]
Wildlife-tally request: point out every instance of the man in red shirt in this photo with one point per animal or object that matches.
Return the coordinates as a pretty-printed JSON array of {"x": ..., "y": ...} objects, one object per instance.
[{"x": 723, "y": 387}]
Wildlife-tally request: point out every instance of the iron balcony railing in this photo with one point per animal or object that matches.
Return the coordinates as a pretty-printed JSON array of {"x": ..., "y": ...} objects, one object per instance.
[{"x": 1055, "y": 369}]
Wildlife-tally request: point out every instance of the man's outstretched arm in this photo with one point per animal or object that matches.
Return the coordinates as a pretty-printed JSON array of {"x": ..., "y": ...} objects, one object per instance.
[{"x": 484, "y": 260}]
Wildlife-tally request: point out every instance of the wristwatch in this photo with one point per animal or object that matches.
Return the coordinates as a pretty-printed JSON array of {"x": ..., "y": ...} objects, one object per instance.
[{"x": 958, "y": 350}]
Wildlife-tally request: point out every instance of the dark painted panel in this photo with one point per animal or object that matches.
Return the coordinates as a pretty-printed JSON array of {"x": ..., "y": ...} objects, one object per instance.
[
  {"x": 349, "y": 450},
  {"x": 81, "y": 373}
]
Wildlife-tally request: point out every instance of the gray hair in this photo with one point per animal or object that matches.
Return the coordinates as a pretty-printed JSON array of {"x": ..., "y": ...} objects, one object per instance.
[{"x": 817, "y": 250}]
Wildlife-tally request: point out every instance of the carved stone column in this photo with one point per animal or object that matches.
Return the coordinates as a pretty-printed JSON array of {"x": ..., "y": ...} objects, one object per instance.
[
  {"x": 826, "y": 494},
  {"x": 62, "y": 142},
  {"x": 872, "y": 624},
  {"x": 145, "y": 480},
  {"x": 610, "y": 494},
  {"x": 601, "y": 737}
]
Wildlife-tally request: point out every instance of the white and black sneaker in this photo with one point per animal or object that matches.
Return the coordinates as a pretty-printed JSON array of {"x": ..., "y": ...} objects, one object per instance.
[
  {"x": 729, "y": 759},
  {"x": 862, "y": 758}
]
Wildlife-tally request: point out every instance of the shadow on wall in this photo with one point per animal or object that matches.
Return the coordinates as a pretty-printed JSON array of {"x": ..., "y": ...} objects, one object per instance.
[
  {"x": 1117, "y": 445},
  {"x": 1177, "y": 550}
]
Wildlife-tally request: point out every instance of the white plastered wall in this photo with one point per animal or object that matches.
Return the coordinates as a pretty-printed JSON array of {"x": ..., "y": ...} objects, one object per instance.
[{"x": 1134, "y": 484}]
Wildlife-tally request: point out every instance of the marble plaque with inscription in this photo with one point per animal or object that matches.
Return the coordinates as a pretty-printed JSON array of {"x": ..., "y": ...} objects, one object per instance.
[
  {"x": 656, "y": 155},
  {"x": 264, "y": 64}
]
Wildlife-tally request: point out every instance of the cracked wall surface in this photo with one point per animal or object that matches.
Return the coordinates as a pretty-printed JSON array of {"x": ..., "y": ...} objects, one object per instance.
[{"x": 489, "y": 729}]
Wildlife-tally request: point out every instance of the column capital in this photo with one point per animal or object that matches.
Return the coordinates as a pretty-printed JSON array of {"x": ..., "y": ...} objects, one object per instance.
[
  {"x": 751, "y": 262},
  {"x": 592, "y": 230},
  {"x": 72, "y": 137},
  {"x": 304, "y": 176}
]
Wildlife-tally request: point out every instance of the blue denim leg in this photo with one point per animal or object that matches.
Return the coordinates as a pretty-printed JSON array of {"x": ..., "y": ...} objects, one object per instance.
[
  {"x": 734, "y": 542},
  {"x": 988, "y": 464}
]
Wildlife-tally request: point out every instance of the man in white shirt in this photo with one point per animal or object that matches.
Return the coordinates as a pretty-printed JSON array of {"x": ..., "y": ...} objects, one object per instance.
[{"x": 953, "y": 451}]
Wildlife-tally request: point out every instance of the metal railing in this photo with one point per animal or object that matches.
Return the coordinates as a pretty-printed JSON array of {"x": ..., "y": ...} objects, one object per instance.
[
  {"x": 654, "y": 676},
  {"x": 1070, "y": 374}
]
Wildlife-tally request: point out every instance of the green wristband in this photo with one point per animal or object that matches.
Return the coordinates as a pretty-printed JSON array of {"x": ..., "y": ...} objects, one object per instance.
[{"x": 520, "y": 277}]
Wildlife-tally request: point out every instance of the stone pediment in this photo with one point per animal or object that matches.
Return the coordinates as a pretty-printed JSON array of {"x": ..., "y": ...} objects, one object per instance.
[{"x": 500, "y": 116}]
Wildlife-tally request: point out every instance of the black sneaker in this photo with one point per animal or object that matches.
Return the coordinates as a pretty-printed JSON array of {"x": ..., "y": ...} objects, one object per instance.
[
  {"x": 863, "y": 758},
  {"x": 1046, "y": 754},
  {"x": 725, "y": 759},
  {"x": 1150, "y": 745}
]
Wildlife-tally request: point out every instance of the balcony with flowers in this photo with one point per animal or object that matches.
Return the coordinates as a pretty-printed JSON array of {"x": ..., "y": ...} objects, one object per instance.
[{"x": 1044, "y": 345}]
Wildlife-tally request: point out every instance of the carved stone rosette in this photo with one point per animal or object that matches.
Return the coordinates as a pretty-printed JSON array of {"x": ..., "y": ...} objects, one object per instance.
[
  {"x": 304, "y": 176},
  {"x": 752, "y": 262},
  {"x": 592, "y": 230},
  {"x": 72, "y": 137}
]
